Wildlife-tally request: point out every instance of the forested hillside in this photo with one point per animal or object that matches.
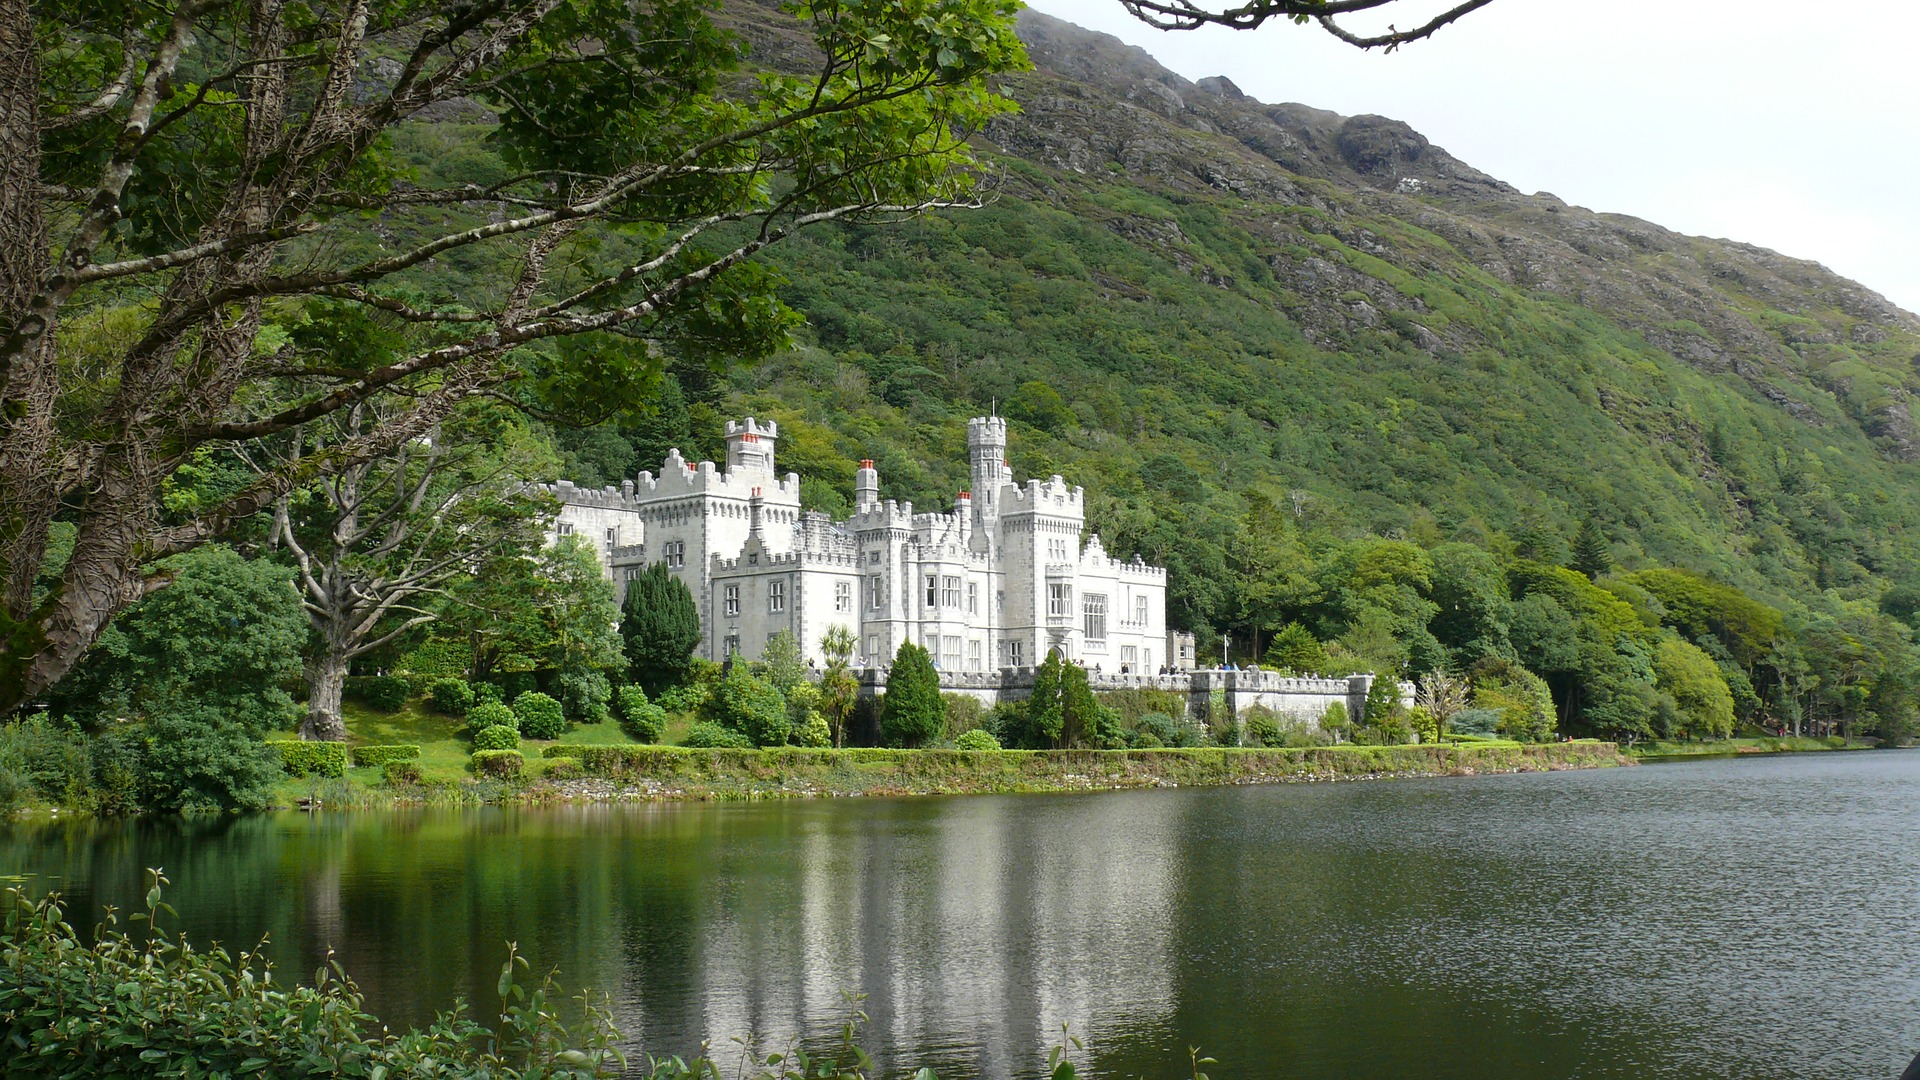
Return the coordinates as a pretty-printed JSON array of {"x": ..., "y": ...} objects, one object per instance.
[{"x": 1260, "y": 334}]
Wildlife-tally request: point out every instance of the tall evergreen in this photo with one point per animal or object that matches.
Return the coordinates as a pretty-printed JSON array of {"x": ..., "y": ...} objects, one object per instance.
[
  {"x": 911, "y": 712},
  {"x": 1046, "y": 718},
  {"x": 1592, "y": 555},
  {"x": 660, "y": 628}
]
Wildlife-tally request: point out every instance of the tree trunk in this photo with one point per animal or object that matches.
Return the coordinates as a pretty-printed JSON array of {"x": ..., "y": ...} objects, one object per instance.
[{"x": 326, "y": 675}]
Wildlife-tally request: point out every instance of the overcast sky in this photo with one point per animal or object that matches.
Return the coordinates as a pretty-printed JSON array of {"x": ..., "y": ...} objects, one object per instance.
[{"x": 1787, "y": 125}]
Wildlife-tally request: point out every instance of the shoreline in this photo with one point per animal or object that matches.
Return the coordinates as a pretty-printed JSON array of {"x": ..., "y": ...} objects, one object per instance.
[
  {"x": 636, "y": 773},
  {"x": 1746, "y": 747}
]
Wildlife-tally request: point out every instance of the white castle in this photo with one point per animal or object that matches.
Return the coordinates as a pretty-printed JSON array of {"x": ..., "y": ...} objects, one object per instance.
[{"x": 994, "y": 583}]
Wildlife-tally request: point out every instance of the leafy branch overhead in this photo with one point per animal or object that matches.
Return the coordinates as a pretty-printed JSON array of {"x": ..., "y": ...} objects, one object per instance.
[{"x": 179, "y": 184}]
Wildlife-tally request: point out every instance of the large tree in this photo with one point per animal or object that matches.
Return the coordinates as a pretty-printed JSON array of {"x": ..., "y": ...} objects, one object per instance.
[
  {"x": 176, "y": 178},
  {"x": 1429, "y": 18},
  {"x": 376, "y": 545},
  {"x": 659, "y": 628}
]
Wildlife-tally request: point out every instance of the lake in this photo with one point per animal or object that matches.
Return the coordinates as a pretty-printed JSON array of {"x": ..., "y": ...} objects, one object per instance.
[{"x": 1750, "y": 918}]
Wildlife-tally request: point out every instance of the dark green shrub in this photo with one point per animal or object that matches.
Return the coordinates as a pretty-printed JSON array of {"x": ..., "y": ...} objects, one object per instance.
[
  {"x": 976, "y": 739},
  {"x": 312, "y": 758},
  {"x": 752, "y": 706},
  {"x": 1164, "y": 730},
  {"x": 713, "y": 736},
  {"x": 911, "y": 712},
  {"x": 497, "y": 737},
  {"x": 499, "y": 764},
  {"x": 451, "y": 697},
  {"x": 584, "y": 695},
  {"x": 1263, "y": 727},
  {"x": 380, "y": 755},
  {"x": 401, "y": 773},
  {"x": 642, "y": 720},
  {"x": 540, "y": 716},
  {"x": 486, "y": 691},
  {"x": 387, "y": 693},
  {"x": 565, "y": 768},
  {"x": 684, "y": 698},
  {"x": 489, "y": 714}
]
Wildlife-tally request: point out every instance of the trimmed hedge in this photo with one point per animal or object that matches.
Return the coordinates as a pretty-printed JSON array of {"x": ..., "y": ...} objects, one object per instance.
[
  {"x": 497, "y": 737},
  {"x": 540, "y": 715},
  {"x": 302, "y": 758},
  {"x": 450, "y": 696},
  {"x": 503, "y": 764},
  {"x": 486, "y": 714},
  {"x": 563, "y": 768},
  {"x": 380, "y": 755},
  {"x": 706, "y": 736},
  {"x": 387, "y": 693},
  {"x": 396, "y": 773},
  {"x": 977, "y": 739}
]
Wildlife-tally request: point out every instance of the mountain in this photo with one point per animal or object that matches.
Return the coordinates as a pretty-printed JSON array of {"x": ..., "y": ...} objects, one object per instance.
[{"x": 1203, "y": 307}]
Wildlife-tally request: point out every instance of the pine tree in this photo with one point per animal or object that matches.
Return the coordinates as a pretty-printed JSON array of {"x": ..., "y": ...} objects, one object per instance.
[
  {"x": 660, "y": 628},
  {"x": 1045, "y": 717},
  {"x": 1592, "y": 555},
  {"x": 911, "y": 712},
  {"x": 1079, "y": 710}
]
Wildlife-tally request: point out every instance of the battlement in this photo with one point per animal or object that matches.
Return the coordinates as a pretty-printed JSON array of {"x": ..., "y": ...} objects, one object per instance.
[
  {"x": 987, "y": 430},
  {"x": 787, "y": 561},
  {"x": 679, "y": 478},
  {"x": 1051, "y": 496},
  {"x": 609, "y": 497},
  {"x": 758, "y": 429},
  {"x": 891, "y": 514}
]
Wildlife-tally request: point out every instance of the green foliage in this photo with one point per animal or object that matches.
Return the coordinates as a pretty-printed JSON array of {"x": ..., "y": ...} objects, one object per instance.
[
  {"x": 705, "y": 735},
  {"x": 642, "y": 720},
  {"x": 80, "y": 1004},
  {"x": 538, "y": 715},
  {"x": 1334, "y": 719},
  {"x": 451, "y": 696},
  {"x": 312, "y": 758},
  {"x": 1383, "y": 700},
  {"x": 380, "y": 755},
  {"x": 1700, "y": 695},
  {"x": 1423, "y": 724},
  {"x": 585, "y": 693},
  {"x": 659, "y": 629},
  {"x": 497, "y": 737},
  {"x": 911, "y": 712},
  {"x": 1592, "y": 554},
  {"x": 1520, "y": 697},
  {"x": 489, "y": 714},
  {"x": 813, "y": 732},
  {"x": 499, "y": 764},
  {"x": 1699, "y": 608},
  {"x": 564, "y": 768},
  {"x": 964, "y": 712},
  {"x": 387, "y": 693},
  {"x": 1044, "y": 719},
  {"x": 54, "y": 762},
  {"x": 752, "y": 706},
  {"x": 1263, "y": 727},
  {"x": 976, "y": 739},
  {"x": 1295, "y": 648},
  {"x": 400, "y": 773},
  {"x": 785, "y": 668}
]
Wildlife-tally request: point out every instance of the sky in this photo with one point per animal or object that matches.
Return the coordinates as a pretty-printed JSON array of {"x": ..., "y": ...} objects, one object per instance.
[{"x": 1791, "y": 126}]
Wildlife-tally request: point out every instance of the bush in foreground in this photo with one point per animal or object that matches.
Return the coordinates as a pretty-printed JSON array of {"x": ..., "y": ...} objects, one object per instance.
[
  {"x": 387, "y": 693},
  {"x": 312, "y": 758},
  {"x": 642, "y": 720},
  {"x": 712, "y": 736},
  {"x": 488, "y": 714},
  {"x": 451, "y": 697},
  {"x": 499, "y": 764},
  {"x": 497, "y": 737},
  {"x": 540, "y": 716},
  {"x": 977, "y": 739}
]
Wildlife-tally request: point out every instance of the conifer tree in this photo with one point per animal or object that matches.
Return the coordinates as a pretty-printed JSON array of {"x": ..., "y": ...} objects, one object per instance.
[
  {"x": 911, "y": 712},
  {"x": 1592, "y": 555},
  {"x": 1079, "y": 711},
  {"x": 660, "y": 628},
  {"x": 1046, "y": 718}
]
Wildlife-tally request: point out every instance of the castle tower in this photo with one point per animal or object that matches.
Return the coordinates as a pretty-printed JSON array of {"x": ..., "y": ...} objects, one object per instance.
[
  {"x": 750, "y": 445},
  {"x": 987, "y": 453},
  {"x": 866, "y": 487}
]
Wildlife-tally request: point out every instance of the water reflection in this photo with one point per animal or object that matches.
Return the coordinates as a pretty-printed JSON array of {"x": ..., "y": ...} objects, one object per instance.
[{"x": 1750, "y": 919}]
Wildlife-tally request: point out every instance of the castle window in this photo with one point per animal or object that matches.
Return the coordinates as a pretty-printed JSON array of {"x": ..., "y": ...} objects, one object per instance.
[
  {"x": 733, "y": 604},
  {"x": 950, "y": 592},
  {"x": 613, "y": 537},
  {"x": 1000, "y": 601},
  {"x": 873, "y": 650},
  {"x": 973, "y": 656},
  {"x": 1014, "y": 655},
  {"x": 1060, "y": 600},
  {"x": 676, "y": 552},
  {"x": 933, "y": 591},
  {"x": 1130, "y": 655},
  {"x": 950, "y": 654},
  {"x": 843, "y": 596},
  {"x": 874, "y": 602},
  {"x": 776, "y": 596},
  {"x": 732, "y": 645},
  {"x": 973, "y": 598},
  {"x": 1094, "y": 608},
  {"x": 565, "y": 528},
  {"x": 1140, "y": 610}
]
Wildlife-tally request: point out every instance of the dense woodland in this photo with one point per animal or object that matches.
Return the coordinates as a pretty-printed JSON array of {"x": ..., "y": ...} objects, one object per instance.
[{"x": 1541, "y": 509}]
